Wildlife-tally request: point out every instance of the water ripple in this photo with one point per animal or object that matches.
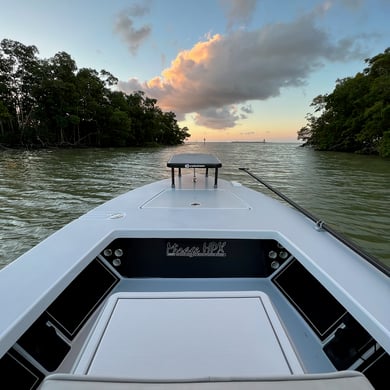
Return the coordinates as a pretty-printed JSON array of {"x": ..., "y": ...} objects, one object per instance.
[{"x": 40, "y": 191}]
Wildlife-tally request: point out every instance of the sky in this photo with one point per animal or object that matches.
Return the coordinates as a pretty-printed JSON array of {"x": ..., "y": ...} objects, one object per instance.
[{"x": 231, "y": 70}]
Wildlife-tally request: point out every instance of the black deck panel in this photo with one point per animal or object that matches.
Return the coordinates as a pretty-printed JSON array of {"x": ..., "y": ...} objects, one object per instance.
[{"x": 194, "y": 160}]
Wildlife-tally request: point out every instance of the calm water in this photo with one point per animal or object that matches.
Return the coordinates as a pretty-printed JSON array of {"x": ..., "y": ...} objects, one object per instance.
[{"x": 40, "y": 191}]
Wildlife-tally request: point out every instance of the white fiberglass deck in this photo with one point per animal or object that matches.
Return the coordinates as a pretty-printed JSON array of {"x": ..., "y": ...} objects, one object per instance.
[
  {"x": 207, "y": 198},
  {"x": 187, "y": 336}
]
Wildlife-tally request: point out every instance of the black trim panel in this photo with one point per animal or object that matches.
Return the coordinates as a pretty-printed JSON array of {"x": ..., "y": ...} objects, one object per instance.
[
  {"x": 42, "y": 342},
  {"x": 18, "y": 373},
  {"x": 319, "y": 308},
  {"x": 194, "y": 258},
  {"x": 376, "y": 369},
  {"x": 77, "y": 302}
]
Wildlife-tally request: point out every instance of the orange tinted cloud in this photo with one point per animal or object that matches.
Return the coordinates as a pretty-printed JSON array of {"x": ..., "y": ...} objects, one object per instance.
[
  {"x": 188, "y": 59},
  {"x": 217, "y": 77},
  {"x": 184, "y": 77}
]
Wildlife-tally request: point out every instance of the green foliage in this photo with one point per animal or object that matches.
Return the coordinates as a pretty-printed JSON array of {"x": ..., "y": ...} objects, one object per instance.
[
  {"x": 384, "y": 145},
  {"x": 53, "y": 103},
  {"x": 355, "y": 117}
]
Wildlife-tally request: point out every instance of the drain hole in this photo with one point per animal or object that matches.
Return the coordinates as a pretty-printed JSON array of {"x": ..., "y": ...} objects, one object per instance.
[{"x": 195, "y": 204}]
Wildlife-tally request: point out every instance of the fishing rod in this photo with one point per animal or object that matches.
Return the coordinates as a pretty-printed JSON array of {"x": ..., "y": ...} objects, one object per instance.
[{"x": 321, "y": 225}]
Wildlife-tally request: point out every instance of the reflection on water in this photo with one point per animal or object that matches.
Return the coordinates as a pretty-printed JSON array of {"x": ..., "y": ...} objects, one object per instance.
[{"x": 40, "y": 191}]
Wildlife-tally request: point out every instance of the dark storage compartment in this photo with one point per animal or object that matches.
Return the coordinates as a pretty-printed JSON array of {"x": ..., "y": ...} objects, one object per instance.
[
  {"x": 77, "y": 302},
  {"x": 43, "y": 343},
  {"x": 65, "y": 316},
  {"x": 348, "y": 344},
  {"x": 319, "y": 308},
  {"x": 18, "y": 372},
  {"x": 376, "y": 369}
]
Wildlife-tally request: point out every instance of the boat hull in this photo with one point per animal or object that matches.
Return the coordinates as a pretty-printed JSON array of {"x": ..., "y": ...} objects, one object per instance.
[{"x": 166, "y": 244}]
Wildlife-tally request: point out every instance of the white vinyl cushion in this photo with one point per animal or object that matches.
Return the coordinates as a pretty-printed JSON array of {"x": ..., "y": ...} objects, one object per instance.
[{"x": 343, "y": 380}]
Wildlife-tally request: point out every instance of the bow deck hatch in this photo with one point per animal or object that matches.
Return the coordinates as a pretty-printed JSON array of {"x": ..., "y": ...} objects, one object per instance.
[{"x": 189, "y": 336}]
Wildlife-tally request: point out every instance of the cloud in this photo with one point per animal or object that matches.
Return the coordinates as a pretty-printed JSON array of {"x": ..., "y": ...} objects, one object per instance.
[
  {"x": 323, "y": 8},
  {"x": 217, "y": 118},
  {"x": 352, "y": 4},
  {"x": 238, "y": 11},
  {"x": 247, "y": 109},
  {"x": 138, "y": 9},
  {"x": 125, "y": 26},
  {"x": 221, "y": 72}
]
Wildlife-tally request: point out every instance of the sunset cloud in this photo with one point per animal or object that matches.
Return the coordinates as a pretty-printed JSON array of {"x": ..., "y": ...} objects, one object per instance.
[
  {"x": 221, "y": 73},
  {"x": 220, "y": 118}
]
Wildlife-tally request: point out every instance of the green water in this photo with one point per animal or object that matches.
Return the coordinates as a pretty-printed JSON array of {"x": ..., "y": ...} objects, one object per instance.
[{"x": 40, "y": 191}]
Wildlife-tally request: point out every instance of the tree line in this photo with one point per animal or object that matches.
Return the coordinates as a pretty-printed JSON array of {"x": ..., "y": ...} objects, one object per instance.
[
  {"x": 50, "y": 102},
  {"x": 355, "y": 117}
]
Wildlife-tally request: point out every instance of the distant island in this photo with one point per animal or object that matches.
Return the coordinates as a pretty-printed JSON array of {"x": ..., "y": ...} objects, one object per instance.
[
  {"x": 50, "y": 102},
  {"x": 251, "y": 142},
  {"x": 355, "y": 117}
]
